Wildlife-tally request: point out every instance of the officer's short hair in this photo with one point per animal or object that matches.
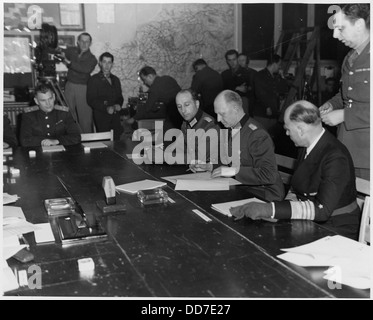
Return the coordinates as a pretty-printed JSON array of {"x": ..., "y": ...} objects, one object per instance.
[
  {"x": 85, "y": 34},
  {"x": 356, "y": 11},
  {"x": 191, "y": 92},
  {"x": 43, "y": 88},
  {"x": 199, "y": 62},
  {"x": 231, "y": 52},
  {"x": 305, "y": 111},
  {"x": 106, "y": 55},
  {"x": 145, "y": 71},
  {"x": 232, "y": 97}
]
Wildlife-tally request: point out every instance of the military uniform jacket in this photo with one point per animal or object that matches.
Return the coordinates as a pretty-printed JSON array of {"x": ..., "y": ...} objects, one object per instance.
[
  {"x": 354, "y": 98},
  {"x": 202, "y": 125},
  {"x": 58, "y": 124},
  {"x": 323, "y": 183},
  {"x": 255, "y": 160}
]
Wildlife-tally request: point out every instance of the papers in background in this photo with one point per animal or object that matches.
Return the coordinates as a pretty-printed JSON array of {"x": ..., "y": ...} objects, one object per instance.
[
  {"x": 225, "y": 206},
  {"x": 206, "y": 176},
  {"x": 8, "y": 198},
  {"x": 202, "y": 185},
  {"x": 349, "y": 259},
  {"x": 134, "y": 187},
  {"x": 53, "y": 148},
  {"x": 94, "y": 145}
]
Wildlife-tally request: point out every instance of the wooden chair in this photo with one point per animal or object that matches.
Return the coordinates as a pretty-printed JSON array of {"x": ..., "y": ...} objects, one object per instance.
[
  {"x": 98, "y": 136},
  {"x": 363, "y": 189},
  {"x": 284, "y": 162}
]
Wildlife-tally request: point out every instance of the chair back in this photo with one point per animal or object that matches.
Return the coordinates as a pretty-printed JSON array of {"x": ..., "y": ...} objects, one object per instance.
[{"x": 363, "y": 200}]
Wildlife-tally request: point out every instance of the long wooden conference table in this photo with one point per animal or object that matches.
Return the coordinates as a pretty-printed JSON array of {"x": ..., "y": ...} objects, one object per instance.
[{"x": 157, "y": 251}]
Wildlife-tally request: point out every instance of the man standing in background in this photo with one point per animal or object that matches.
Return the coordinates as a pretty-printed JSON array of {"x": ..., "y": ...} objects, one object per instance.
[
  {"x": 104, "y": 96},
  {"x": 208, "y": 83},
  {"x": 80, "y": 63},
  {"x": 350, "y": 108}
]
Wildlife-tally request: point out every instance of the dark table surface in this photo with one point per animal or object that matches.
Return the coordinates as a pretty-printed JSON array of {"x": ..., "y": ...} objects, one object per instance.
[{"x": 158, "y": 251}]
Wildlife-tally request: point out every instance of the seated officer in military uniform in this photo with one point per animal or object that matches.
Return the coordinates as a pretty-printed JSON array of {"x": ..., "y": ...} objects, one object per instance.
[
  {"x": 47, "y": 124},
  {"x": 197, "y": 123},
  {"x": 323, "y": 185},
  {"x": 253, "y": 160}
]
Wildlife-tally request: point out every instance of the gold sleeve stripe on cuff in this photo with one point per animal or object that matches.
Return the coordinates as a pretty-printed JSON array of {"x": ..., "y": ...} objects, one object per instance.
[{"x": 303, "y": 210}]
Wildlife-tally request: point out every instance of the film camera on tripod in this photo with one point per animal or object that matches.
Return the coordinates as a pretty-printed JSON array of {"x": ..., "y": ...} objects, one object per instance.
[{"x": 47, "y": 55}]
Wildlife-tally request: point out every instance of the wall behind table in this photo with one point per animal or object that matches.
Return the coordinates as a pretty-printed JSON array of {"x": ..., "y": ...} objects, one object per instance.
[{"x": 168, "y": 37}]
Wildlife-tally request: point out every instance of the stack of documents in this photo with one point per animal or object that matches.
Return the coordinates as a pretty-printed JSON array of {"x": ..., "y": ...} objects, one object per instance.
[
  {"x": 349, "y": 260},
  {"x": 201, "y": 181},
  {"x": 134, "y": 187}
]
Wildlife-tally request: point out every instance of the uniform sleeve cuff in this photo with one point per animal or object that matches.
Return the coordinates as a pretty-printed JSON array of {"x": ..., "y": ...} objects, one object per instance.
[{"x": 282, "y": 209}]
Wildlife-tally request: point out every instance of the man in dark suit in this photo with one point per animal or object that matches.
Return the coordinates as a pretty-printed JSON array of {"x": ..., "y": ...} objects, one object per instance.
[
  {"x": 323, "y": 185},
  {"x": 208, "y": 83},
  {"x": 161, "y": 98},
  {"x": 104, "y": 96}
]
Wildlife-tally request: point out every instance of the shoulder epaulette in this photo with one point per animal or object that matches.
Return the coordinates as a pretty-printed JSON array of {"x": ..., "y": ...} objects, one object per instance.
[
  {"x": 253, "y": 126},
  {"x": 30, "y": 109},
  {"x": 207, "y": 119},
  {"x": 61, "y": 108}
]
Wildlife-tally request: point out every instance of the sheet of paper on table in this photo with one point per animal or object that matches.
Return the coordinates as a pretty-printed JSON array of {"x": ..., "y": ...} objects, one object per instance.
[
  {"x": 9, "y": 198},
  {"x": 202, "y": 185},
  {"x": 349, "y": 260},
  {"x": 200, "y": 176},
  {"x": 9, "y": 280},
  {"x": 14, "y": 222}
]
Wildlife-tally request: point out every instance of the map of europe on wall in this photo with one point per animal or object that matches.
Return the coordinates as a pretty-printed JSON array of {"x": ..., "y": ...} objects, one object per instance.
[{"x": 171, "y": 40}]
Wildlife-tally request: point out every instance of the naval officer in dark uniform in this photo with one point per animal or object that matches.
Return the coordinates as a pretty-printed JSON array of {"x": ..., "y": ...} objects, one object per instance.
[
  {"x": 47, "y": 124},
  {"x": 323, "y": 185}
]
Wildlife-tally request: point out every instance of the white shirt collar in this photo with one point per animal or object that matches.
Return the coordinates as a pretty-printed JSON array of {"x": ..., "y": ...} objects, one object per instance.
[{"x": 309, "y": 149}]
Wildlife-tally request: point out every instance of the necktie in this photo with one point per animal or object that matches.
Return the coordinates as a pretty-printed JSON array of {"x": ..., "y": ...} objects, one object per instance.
[{"x": 352, "y": 58}]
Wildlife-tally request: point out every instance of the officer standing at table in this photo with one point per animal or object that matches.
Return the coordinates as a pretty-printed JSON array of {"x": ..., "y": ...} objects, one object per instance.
[
  {"x": 350, "y": 108},
  {"x": 47, "y": 124}
]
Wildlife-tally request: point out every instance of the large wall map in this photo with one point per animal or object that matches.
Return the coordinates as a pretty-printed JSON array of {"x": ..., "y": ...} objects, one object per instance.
[{"x": 172, "y": 40}]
